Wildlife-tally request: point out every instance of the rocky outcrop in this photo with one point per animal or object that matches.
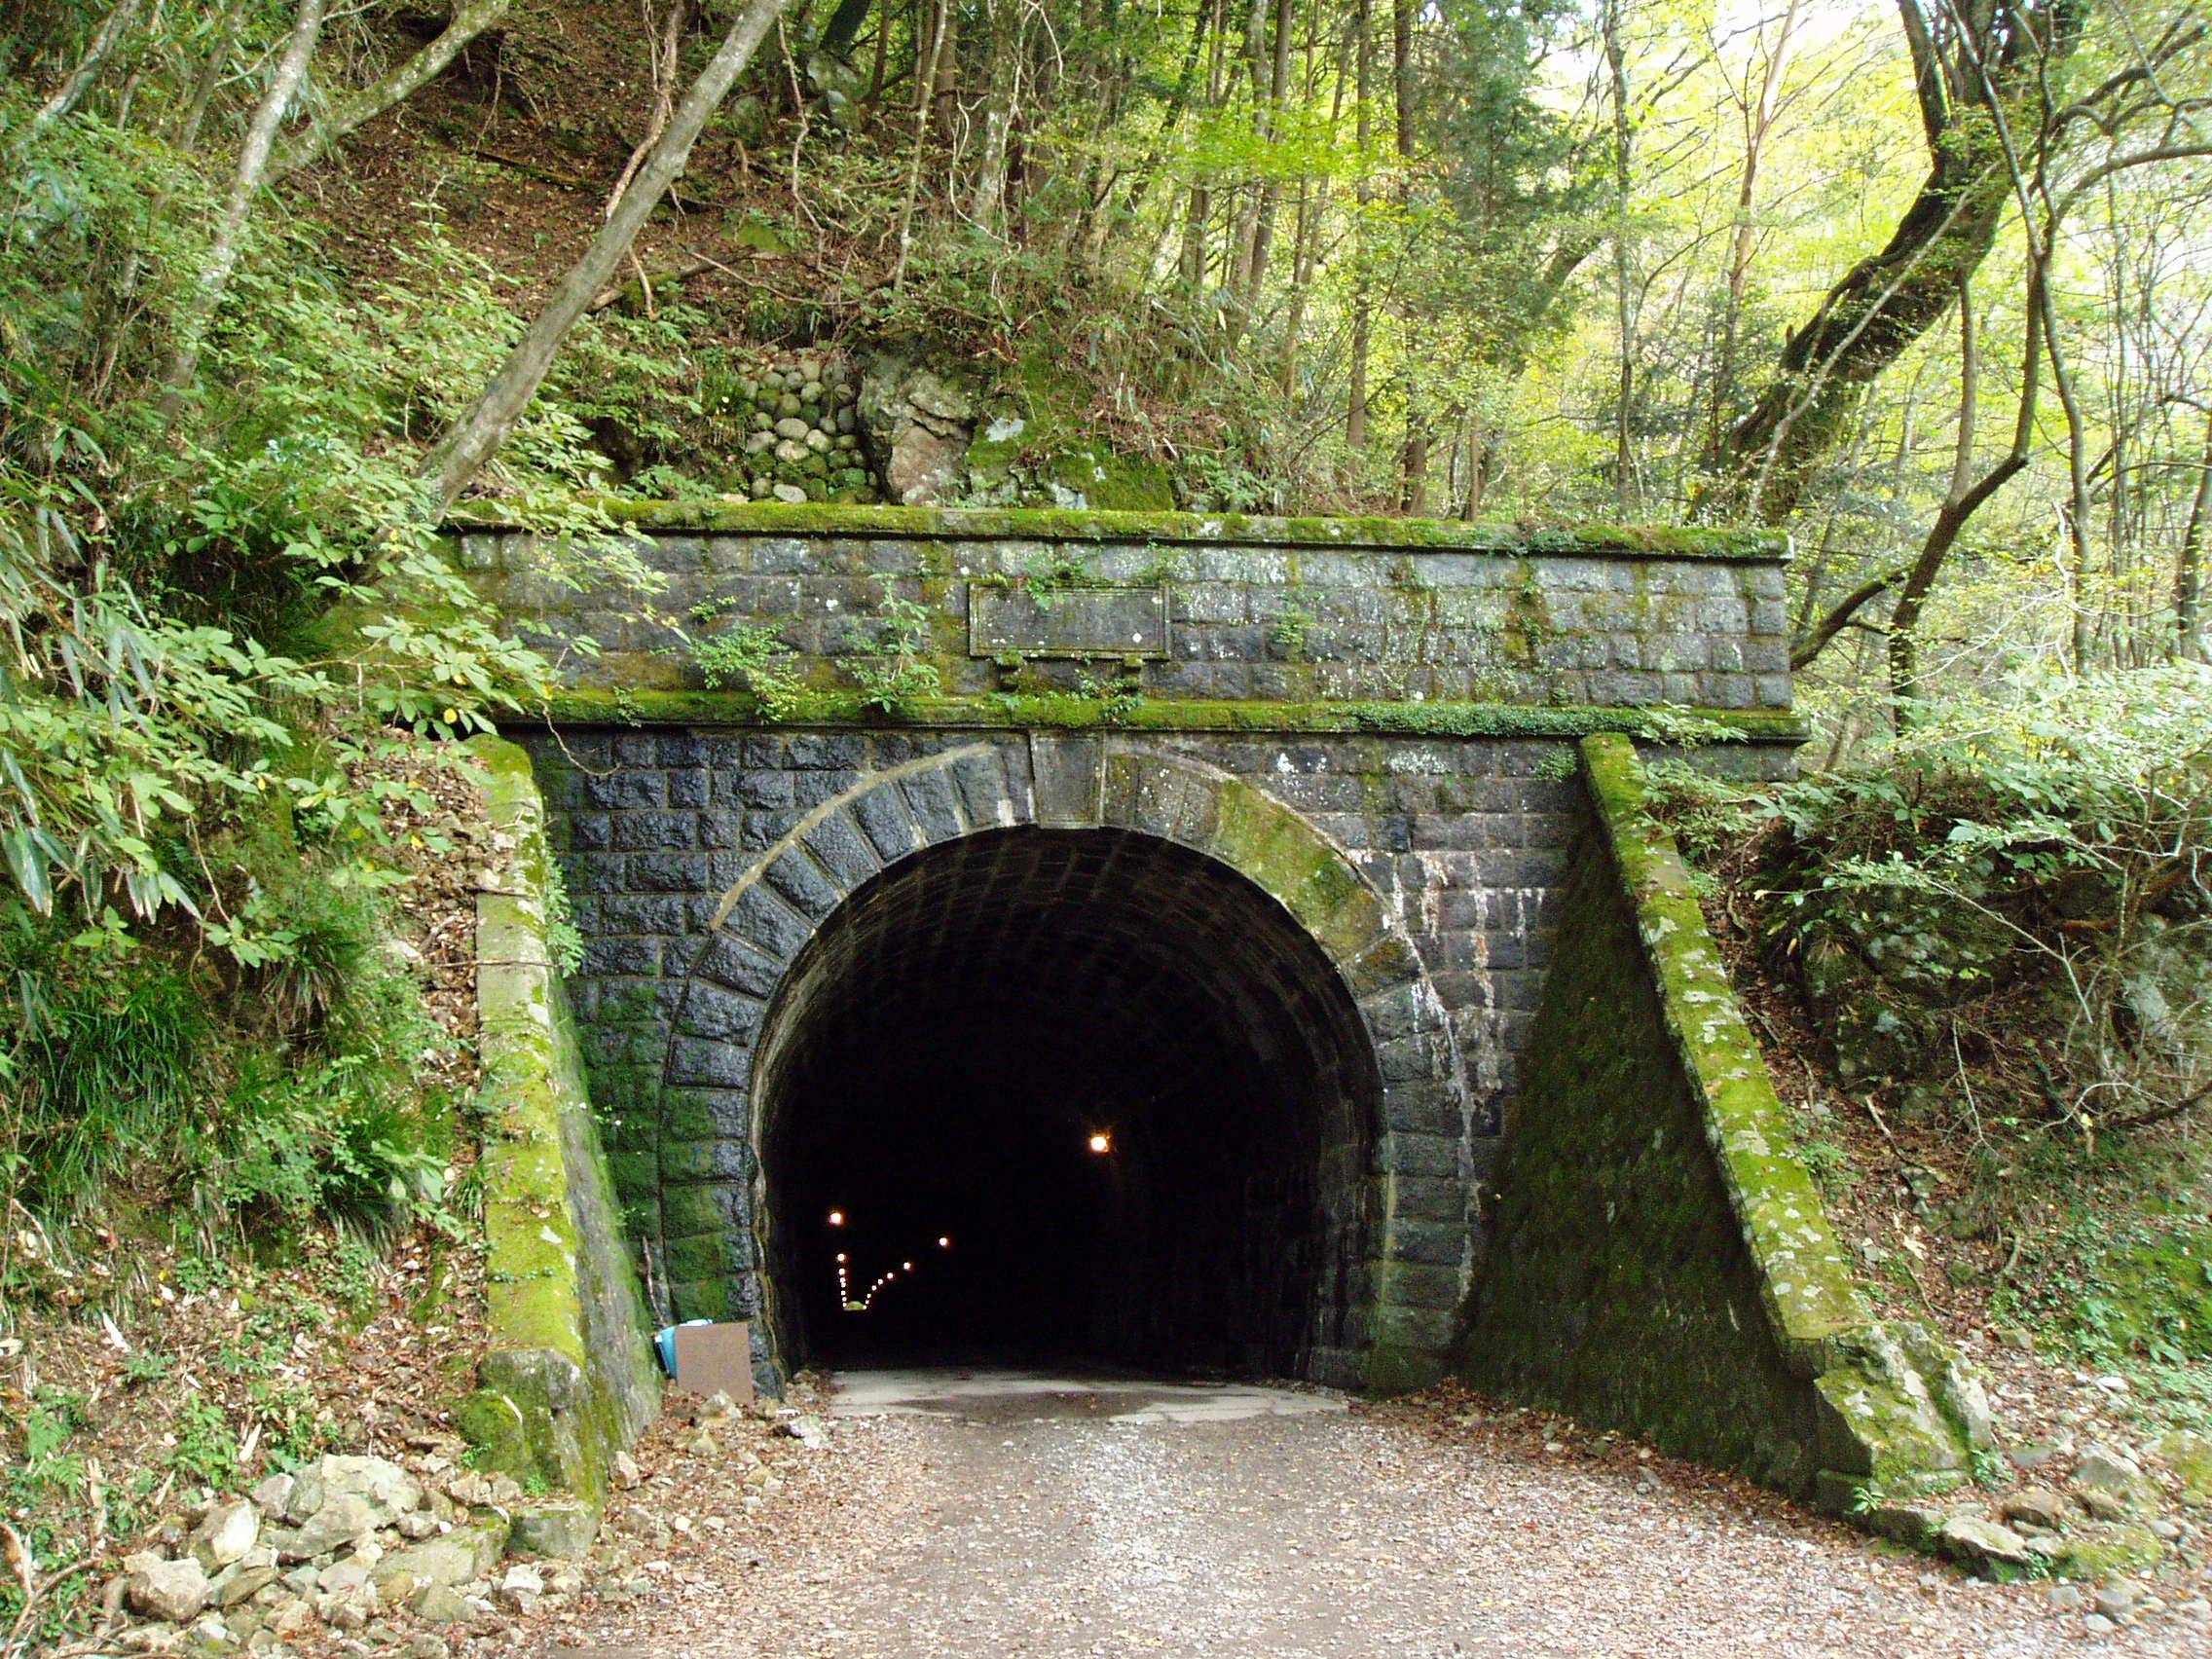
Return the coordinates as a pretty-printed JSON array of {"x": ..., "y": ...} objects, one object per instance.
[
  {"x": 351, "y": 1545},
  {"x": 918, "y": 424}
]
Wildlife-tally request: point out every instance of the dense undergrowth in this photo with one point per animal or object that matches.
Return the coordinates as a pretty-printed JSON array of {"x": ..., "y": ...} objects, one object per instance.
[{"x": 1984, "y": 974}]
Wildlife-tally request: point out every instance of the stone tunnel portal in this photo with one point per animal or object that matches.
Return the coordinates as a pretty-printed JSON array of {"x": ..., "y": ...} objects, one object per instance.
[{"x": 1120, "y": 1079}]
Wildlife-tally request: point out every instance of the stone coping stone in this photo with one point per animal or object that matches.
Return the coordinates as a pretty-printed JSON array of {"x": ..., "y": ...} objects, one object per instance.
[
  {"x": 584, "y": 706},
  {"x": 1225, "y": 530}
]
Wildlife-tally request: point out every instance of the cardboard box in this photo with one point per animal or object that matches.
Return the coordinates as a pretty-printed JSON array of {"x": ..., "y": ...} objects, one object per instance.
[{"x": 716, "y": 1359}]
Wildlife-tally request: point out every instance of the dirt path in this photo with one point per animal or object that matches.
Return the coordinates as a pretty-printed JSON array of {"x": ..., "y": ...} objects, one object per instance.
[{"x": 1001, "y": 1519}]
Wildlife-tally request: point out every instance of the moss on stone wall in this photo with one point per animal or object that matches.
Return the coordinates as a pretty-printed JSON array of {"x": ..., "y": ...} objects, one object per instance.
[
  {"x": 1661, "y": 1259},
  {"x": 1071, "y": 710},
  {"x": 1049, "y": 524},
  {"x": 567, "y": 1379}
]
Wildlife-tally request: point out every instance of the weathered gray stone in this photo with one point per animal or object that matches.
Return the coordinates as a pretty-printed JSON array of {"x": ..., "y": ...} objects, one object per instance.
[
  {"x": 342, "y": 1518},
  {"x": 1983, "y": 1544},
  {"x": 2038, "y": 1506},
  {"x": 171, "y": 1591},
  {"x": 440, "y": 1605},
  {"x": 465, "y": 1553},
  {"x": 561, "y": 1530},
  {"x": 274, "y": 1496},
  {"x": 230, "y": 1529}
]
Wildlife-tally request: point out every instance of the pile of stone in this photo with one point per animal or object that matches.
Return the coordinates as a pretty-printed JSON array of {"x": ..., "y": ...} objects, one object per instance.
[
  {"x": 802, "y": 425},
  {"x": 344, "y": 1551},
  {"x": 2108, "y": 1525}
]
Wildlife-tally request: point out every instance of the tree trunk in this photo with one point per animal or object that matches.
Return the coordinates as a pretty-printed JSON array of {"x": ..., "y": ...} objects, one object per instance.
[
  {"x": 1886, "y": 302},
  {"x": 1002, "y": 76},
  {"x": 207, "y": 299},
  {"x": 1413, "y": 456},
  {"x": 478, "y": 437},
  {"x": 1356, "y": 405},
  {"x": 925, "y": 96},
  {"x": 470, "y": 19},
  {"x": 1758, "y": 124},
  {"x": 1624, "y": 261},
  {"x": 71, "y": 92},
  {"x": 2189, "y": 640}
]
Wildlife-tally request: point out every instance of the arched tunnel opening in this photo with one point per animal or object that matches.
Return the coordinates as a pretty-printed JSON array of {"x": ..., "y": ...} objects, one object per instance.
[{"x": 1041, "y": 1097}]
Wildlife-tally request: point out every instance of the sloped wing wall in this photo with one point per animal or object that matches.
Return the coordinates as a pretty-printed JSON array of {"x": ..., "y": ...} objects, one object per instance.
[{"x": 1660, "y": 1260}]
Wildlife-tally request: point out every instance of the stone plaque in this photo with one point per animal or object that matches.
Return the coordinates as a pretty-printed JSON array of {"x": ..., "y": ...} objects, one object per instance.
[{"x": 1070, "y": 622}]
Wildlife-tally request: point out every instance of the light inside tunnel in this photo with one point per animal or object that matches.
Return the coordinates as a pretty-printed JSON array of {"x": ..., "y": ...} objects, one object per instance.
[{"x": 945, "y": 1050}]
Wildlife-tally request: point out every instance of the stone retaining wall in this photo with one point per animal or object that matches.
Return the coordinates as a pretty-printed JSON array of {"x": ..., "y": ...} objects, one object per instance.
[
  {"x": 1661, "y": 1263},
  {"x": 567, "y": 1379}
]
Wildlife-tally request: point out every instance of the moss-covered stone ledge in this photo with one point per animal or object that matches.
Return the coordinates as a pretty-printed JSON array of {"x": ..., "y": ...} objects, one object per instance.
[
  {"x": 1165, "y": 529},
  {"x": 1662, "y": 1261},
  {"x": 1019, "y": 710},
  {"x": 567, "y": 1379}
]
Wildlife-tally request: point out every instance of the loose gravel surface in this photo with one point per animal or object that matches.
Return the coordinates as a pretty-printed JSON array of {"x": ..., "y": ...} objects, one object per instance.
[{"x": 1087, "y": 1520}]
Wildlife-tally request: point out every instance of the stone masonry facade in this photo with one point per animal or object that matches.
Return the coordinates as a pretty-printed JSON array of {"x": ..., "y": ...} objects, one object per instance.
[
  {"x": 705, "y": 843},
  {"x": 1270, "y": 610}
]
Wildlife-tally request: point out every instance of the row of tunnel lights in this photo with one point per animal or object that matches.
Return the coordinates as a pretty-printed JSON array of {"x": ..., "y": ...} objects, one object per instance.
[{"x": 1099, "y": 1143}]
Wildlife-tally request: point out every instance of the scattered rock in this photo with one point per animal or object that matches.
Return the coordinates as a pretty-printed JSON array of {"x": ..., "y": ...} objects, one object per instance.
[
  {"x": 1904, "y": 1523},
  {"x": 440, "y": 1605},
  {"x": 809, "y": 1430},
  {"x": 427, "y": 1647},
  {"x": 340, "y": 1577},
  {"x": 626, "y": 1472},
  {"x": 2038, "y": 1506},
  {"x": 245, "y": 1578},
  {"x": 2101, "y": 1505},
  {"x": 274, "y": 1494},
  {"x": 2067, "y": 1597},
  {"x": 416, "y": 1524},
  {"x": 463, "y": 1554},
  {"x": 521, "y": 1587},
  {"x": 229, "y": 1529},
  {"x": 2114, "y": 1476},
  {"x": 2119, "y": 1601},
  {"x": 171, "y": 1591},
  {"x": 563, "y": 1530},
  {"x": 342, "y": 1517},
  {"x": 2096, "y": 1624},
  {"x": 1982, "y": 1544},
  {"x": 290, "y": 1617},
  {"x": 348, "y": 1609}
]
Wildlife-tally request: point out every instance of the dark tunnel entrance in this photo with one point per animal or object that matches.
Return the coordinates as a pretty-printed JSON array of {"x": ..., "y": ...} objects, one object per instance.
[{"x": 1084, "y": 1096}]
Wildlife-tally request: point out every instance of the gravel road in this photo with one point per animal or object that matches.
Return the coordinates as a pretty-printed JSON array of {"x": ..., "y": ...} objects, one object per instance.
[{"x": 1023, "y": 1516}]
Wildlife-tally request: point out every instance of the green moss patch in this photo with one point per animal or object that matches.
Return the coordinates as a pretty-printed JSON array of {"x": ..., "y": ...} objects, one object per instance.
[
  {"x": 1070, "y": 712},
  {"x": 1229, "y": 530},
  {"x": 567, "y": 1379}
]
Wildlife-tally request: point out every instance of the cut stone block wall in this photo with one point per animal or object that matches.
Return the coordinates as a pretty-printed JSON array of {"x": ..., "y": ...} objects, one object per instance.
[
  {"x": 1661, "y": 1262},
  {"x": 1267, "y": 609}
]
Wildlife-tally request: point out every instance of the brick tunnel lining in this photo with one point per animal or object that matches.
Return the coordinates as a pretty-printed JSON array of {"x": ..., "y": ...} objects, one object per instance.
[{"x": 940, "y": 1053}]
